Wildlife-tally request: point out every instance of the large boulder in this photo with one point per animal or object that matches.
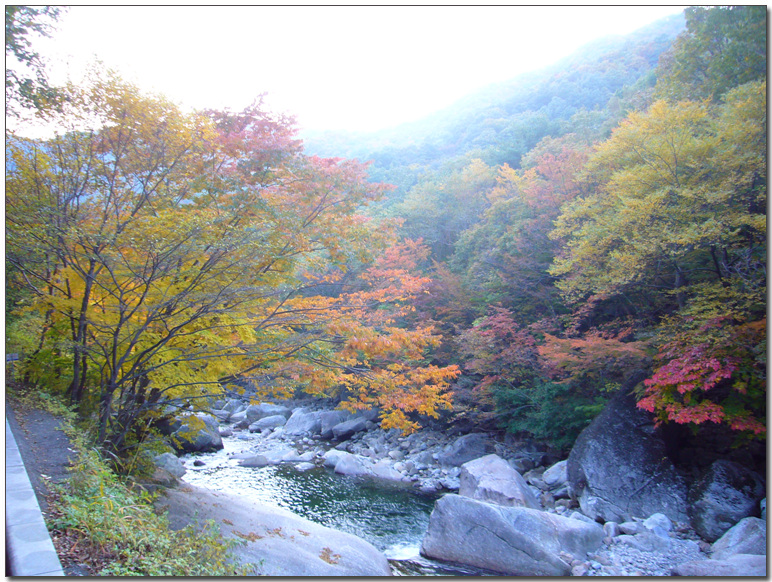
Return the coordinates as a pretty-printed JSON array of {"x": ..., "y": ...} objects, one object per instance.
[
  {"x": 197, "y": 433},
  {"x": 353, "y": 465},
  {"x": 618, "y": 467},
  {"x": 275, "y": 542},
  {"x": 748, "y": 536},
  {"x": 515, "y": 541},
  {"x": 349, "y": 428},
  {"x": 725, "y": 494},
  {"x": 268, "y": 422},
  {"x": 738, "y": 565},
  {"x": 170, "y": 463},
  {"x": 465, "y": 448},
  {"x": 556, "y": 476},
  {"x": 233, "y": 405},
  {"x": 329, "y": 419},
  {"x": 257, "y": 411},
  {"x": 303, "y": 422},
  {"x": 384, "y": 470},
  {"x": 493, "y": 480}
]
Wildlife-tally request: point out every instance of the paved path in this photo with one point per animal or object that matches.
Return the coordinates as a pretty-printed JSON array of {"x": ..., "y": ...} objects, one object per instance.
[{"x": 30, "y": 551}]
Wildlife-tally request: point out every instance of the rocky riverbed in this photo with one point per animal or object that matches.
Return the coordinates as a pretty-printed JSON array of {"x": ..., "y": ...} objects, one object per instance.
[{"x": 520, "y": 480}]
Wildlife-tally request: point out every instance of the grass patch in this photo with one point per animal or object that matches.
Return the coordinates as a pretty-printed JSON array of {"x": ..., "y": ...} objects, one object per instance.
[
  {"x": 108, "y": 523},
  {"x": 117, "y": 520}
]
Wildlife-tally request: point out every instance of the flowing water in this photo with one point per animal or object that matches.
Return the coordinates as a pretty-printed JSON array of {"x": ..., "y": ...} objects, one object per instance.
[{"x": 393, "y": 518}]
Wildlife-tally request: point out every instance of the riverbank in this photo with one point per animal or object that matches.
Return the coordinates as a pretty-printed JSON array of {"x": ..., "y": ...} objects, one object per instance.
[{"x": 274, "y": 541}]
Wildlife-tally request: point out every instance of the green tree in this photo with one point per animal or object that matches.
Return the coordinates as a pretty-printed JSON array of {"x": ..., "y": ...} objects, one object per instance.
[
  {"x": 26, "y": 83},
  {"x": 722, "y": 47},
  {"x": 438, "y": 209}
]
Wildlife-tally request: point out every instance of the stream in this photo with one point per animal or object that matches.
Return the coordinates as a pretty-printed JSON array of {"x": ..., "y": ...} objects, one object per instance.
[{"x": 393, "y": 518}]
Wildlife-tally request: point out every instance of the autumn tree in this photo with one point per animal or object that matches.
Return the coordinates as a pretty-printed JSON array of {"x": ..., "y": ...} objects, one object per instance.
[
  {"x": 365, "y": 346},
  {"x": 171, "y": 253},
  {"x": 506, "y": 255},
  {"x": 678, "y": 209},
  {"x": 678, "y": 195}
]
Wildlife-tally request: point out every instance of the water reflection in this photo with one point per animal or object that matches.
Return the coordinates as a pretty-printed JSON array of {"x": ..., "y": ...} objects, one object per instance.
[{"x": 393, "y": 518}]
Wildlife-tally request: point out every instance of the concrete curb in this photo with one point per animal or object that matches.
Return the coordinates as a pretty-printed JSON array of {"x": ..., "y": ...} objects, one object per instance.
[{"x": 30, "y": 551}]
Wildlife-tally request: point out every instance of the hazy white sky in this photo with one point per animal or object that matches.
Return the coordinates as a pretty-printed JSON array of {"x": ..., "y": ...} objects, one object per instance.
[{"x": 345, "y": 67}]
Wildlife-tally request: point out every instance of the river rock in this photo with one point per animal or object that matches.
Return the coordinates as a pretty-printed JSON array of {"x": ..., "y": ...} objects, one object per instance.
[
  {"x": 255, "y": 461},
  {"x": 737, "y": 565},
  {"x": 257, "y": 411},
  {"x": 493, "y": 480},
  {"x": 658, "y": 520},
  {"x": 556, "y": 476},
  {"x": 170, "y": 463},
  {"x": 646, "y": 541},
  {"x": 303, "y": 422},
  {"x": 724, "y": 495},
  {"x": 282, "y": 454},
  {"x": 329, "y": 419},
  {"x": 514, "y": 541},
  {"x": 268, "y": 422},
  {"x": 222, "y": 415},
  {"x": 465, "y": 448},
  {"x": 240, "y": 416},
  {"x": 332, "y": 456},
  {"x": 748, "y": 536},
  {"x": 353, "y": 465},
  {"x": 349, "y": 428},
  {"x": 275, "y": 541},
  {"x": 384, "y": 470},
  {"x": 197, "y": 433},
  {"x": 618, "y": 467}
]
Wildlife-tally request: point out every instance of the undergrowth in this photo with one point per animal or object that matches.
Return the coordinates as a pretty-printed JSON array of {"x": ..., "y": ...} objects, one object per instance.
[{"x": 116, "y": 518}]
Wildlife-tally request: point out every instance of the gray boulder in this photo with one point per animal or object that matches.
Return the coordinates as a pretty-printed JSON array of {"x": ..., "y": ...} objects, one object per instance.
[
  {"x": 353, "y": 465},
  {"x": 724, "y": 495},
  {"x": 222, "y": 415},
  {"x": 493, "y": 480},
  {"x": 737, "y": 565},
  {"x": 197, "y": 433},
  {"x": 514, "y": 541},
  {"x": 257, "y": 411},
  {"x": 275, "y": 542},
  {"x": 240, "y": 416},
  {"x": 618, "y": 467},
  {"x": 332, "y": 457},
  {"x": 748, "y": 536},
  {"x": 329, "y": 419},
  {"x": 384, "y": 470},
  {"x": 233, "y": 405},
  {"x": 255, "y": 461},
  {"x": 556, "y": 476},
  {"x": 303, "y": 422},
  {"x": 465, "y": 448},
  {"x": 171, "y": 464},
  {"x": 268, "y": 422},
  {"x": 646, "y": 541},
  {"x": 658, "y": 520},
  {"x": 349, "y": 428}
]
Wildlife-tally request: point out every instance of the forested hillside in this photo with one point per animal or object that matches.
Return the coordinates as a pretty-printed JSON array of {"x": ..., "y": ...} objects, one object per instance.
[
  {"x": 506, "y": 264},
  {"x": 587, "y": 92},
  {"x": 601, "y": 217}
]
